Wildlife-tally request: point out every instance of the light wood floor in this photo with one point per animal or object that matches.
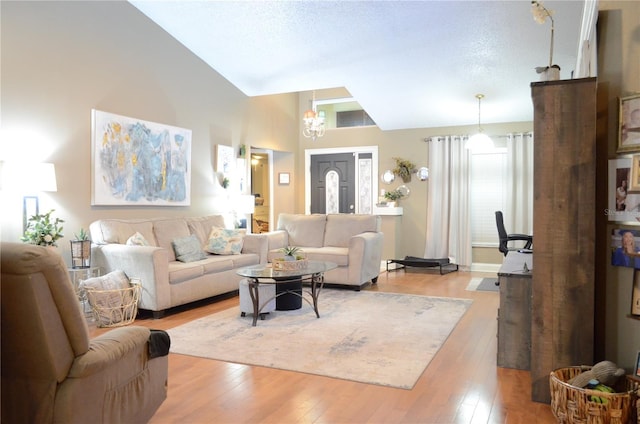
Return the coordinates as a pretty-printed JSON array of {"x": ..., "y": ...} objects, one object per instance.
[{"x": 462, "y": 384}]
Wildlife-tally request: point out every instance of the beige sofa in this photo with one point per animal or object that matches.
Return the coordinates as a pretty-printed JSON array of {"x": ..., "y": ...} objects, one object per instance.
[
  {"x": 354, "y": 242},
  {"x": 167, "y": 282},
  {"x": 52, "y": 372}
]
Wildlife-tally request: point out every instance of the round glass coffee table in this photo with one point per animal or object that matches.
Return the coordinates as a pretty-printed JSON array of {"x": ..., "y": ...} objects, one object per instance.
[{"x": 288, "y": 284}]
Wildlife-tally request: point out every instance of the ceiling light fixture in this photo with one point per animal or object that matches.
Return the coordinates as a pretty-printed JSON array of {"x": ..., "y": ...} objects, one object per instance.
[
  {"x": 313, "y": 121},
  {"x": 479, "y": 142}
]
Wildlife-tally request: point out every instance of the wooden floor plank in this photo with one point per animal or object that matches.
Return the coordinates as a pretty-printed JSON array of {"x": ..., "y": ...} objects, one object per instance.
[{"x": 462, "y": 384}]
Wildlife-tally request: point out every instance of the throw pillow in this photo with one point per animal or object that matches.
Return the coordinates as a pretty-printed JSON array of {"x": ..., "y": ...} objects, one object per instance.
[
  {"x": 106, "y": 297},
  {"x": 188, "y": 249},
  {"x": 223, "y": 241},
  {"x": 137, "y": 240}
]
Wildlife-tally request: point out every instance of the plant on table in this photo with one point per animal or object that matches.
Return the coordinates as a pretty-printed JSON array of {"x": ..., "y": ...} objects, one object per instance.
[
  {"x": 291, "y": 253},
  {"x": 43, "y": 230},
  {"x": 394, "y": 195}
]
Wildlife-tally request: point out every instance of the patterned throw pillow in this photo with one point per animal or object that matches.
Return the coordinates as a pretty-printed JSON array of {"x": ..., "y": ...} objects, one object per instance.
[
  {"x": 188, "y": 249},
  {"x": 137, "y": 240},
  {"x": 224, "y": 242}
]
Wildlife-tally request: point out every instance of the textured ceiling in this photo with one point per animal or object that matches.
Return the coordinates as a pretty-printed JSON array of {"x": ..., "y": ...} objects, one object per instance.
[{"x": 410, "y": 64}]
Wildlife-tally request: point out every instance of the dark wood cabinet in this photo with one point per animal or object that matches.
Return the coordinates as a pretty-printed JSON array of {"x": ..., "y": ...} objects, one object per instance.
[
  {"x": 562, "y": 317},
  {"x": 514, "y": 315}
]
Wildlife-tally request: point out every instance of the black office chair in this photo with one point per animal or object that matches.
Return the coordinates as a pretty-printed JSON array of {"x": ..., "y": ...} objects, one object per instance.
[{"x": 506, "y": 238}]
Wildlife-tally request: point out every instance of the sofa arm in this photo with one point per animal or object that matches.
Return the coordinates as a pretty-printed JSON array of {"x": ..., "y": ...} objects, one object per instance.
[
  {"x": 258, "y": 244},
  {"x": 277, "y": 239},
  {"x": 365, "y": 254},
  {"x": 148, "y": 263},
  {"x": 109, "y": 349}
]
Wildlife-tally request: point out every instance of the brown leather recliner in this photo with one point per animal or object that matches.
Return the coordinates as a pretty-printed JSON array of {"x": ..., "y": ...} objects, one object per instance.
[{"x": 51, "y": 371}]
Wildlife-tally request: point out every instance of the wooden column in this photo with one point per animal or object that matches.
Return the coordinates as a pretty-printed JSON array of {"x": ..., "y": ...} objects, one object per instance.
[{"x": 563, "y": 227}]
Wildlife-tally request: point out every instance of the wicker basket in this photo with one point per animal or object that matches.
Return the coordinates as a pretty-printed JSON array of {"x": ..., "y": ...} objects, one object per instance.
[
  {"x": 573, "y": 405},
  {"x": 114, "y": 308},
  {"x": 282, "y": 265}
]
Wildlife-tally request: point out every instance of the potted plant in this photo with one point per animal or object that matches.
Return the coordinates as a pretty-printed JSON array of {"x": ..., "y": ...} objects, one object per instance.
[
  {"x": 393, "y": 196},
  {"x": 404, "y": 168},
  {"x": 43, "y": 230},
  {"x": 81, "y": 250},
  {"x": 292, "y": 259}
]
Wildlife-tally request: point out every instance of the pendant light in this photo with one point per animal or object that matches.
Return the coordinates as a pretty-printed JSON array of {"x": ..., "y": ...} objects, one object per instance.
[
  {"x": 313, "y": 121},
  {"x": 479, "y": 142}
]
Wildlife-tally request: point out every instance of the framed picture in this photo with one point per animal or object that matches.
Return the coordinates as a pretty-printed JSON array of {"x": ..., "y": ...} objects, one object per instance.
[
  {"x": 622, "y": 205},
  {"x": 637, "y": 370},
  {"x": 225, "y": 158},
  {"x": 635, "y": 293},
  {"x": 634, "y": 180},
  {"x": 283, "y": 178},
  {"x": 629, "y": 124},
  {"x": 139, "y": 163}
]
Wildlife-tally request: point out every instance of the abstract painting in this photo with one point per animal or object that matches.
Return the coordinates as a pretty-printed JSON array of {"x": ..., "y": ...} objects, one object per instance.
[{"x": 138, "y": 162}]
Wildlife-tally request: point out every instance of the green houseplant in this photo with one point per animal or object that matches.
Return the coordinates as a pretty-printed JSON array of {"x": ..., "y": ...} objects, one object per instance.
[
  {"x": 43, "y": 230},
  {"x": 404, "y": 168},
  {"x": 393, "y": 195}
]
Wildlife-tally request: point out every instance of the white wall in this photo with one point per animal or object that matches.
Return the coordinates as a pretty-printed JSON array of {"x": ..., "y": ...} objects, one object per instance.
[{"x": 61, "y": 59}]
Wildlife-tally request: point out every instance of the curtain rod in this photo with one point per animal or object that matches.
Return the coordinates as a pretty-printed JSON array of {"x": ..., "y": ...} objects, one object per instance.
[{"x": 442, "y": 137}]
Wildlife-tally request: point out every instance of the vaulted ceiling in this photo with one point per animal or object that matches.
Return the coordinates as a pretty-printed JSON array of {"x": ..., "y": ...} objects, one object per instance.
[{"x": 410, "y": 64}]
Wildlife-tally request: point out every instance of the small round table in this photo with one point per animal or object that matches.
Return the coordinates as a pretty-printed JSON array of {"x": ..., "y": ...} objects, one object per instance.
[{"x": 288, "y": 283}]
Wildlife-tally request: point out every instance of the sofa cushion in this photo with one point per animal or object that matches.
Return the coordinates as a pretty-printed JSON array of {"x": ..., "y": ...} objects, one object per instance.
[
  {"x": 341, "y": 227},
  {"x": 181, "y": 271},
  {"x": 223, "y": 241},
  {"x": 167, "y": 230},
  {"x": 201, "y": 226},
  {"x": 339, "y": 255},
  {"x": 187, "y": 249},
  {"x": 118, "y": 231},
  {"x": 304, "y": 230},
  {"x": 217, "y": 263}
]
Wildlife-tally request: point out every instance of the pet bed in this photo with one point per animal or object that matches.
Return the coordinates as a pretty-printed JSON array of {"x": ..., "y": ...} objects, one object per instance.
[{"x": 442, "y": 264}]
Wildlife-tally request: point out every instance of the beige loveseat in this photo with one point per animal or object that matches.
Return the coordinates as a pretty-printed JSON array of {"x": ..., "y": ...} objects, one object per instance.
[
  {"x": 354, "y": 242},
  {"x": 165, "y": 281}
]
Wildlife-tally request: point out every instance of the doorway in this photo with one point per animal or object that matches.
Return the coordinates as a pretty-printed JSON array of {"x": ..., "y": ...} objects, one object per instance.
[
  {"x": 341, "y": 180},
  {"x": 261, "y": 189}
]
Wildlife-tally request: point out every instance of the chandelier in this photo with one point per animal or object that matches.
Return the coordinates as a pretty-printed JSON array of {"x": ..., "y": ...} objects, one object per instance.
[
  {"x": 313, "y": 121},
  {"x": 479, "y": 142}
]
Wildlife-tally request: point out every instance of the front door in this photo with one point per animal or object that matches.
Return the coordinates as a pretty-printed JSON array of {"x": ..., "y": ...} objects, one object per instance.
[{"x": 333, "y": 183}]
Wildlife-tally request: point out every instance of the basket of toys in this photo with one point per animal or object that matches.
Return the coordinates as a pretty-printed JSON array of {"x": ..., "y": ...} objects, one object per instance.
[{"x": 595, "y": 403}]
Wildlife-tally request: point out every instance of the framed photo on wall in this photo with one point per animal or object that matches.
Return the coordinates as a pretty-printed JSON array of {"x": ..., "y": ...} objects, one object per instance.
[
  {"x": 225, "y": 159},
  {"x": 637, "y": 370},
  {"x": 635, "y": 293},
  {"x": 623, "y": 205},
  {"x": 629, "y": 124}
]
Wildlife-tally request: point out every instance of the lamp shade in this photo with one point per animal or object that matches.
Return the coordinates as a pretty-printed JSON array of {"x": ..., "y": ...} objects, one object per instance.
[
  {"x": 480, "y": 142},
  {"x": 245, "y": 204},
  {"x": 28, "y": 177}
]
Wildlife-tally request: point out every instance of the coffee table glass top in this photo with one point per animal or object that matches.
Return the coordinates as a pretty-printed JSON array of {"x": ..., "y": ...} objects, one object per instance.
[{"x": 266, "y": 271}]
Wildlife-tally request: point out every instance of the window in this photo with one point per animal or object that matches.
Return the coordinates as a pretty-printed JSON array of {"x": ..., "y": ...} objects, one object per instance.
[
  {"x": 488, "y": 194},
  {"x": 343, "y": 113}
]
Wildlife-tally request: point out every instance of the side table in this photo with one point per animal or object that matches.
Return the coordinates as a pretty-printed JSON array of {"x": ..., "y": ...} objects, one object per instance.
[{"x": 78, "y": 274}]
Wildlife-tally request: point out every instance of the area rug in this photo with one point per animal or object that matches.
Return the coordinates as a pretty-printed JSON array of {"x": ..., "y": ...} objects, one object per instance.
[
  {"x": 370, "y": 337},
  {"x": 483, "y": 284}
]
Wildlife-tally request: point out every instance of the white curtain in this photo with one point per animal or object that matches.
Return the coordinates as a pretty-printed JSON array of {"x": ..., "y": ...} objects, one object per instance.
[
  {"x": 448, "y": 216},
  {"x": 518, "y": 216}
]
